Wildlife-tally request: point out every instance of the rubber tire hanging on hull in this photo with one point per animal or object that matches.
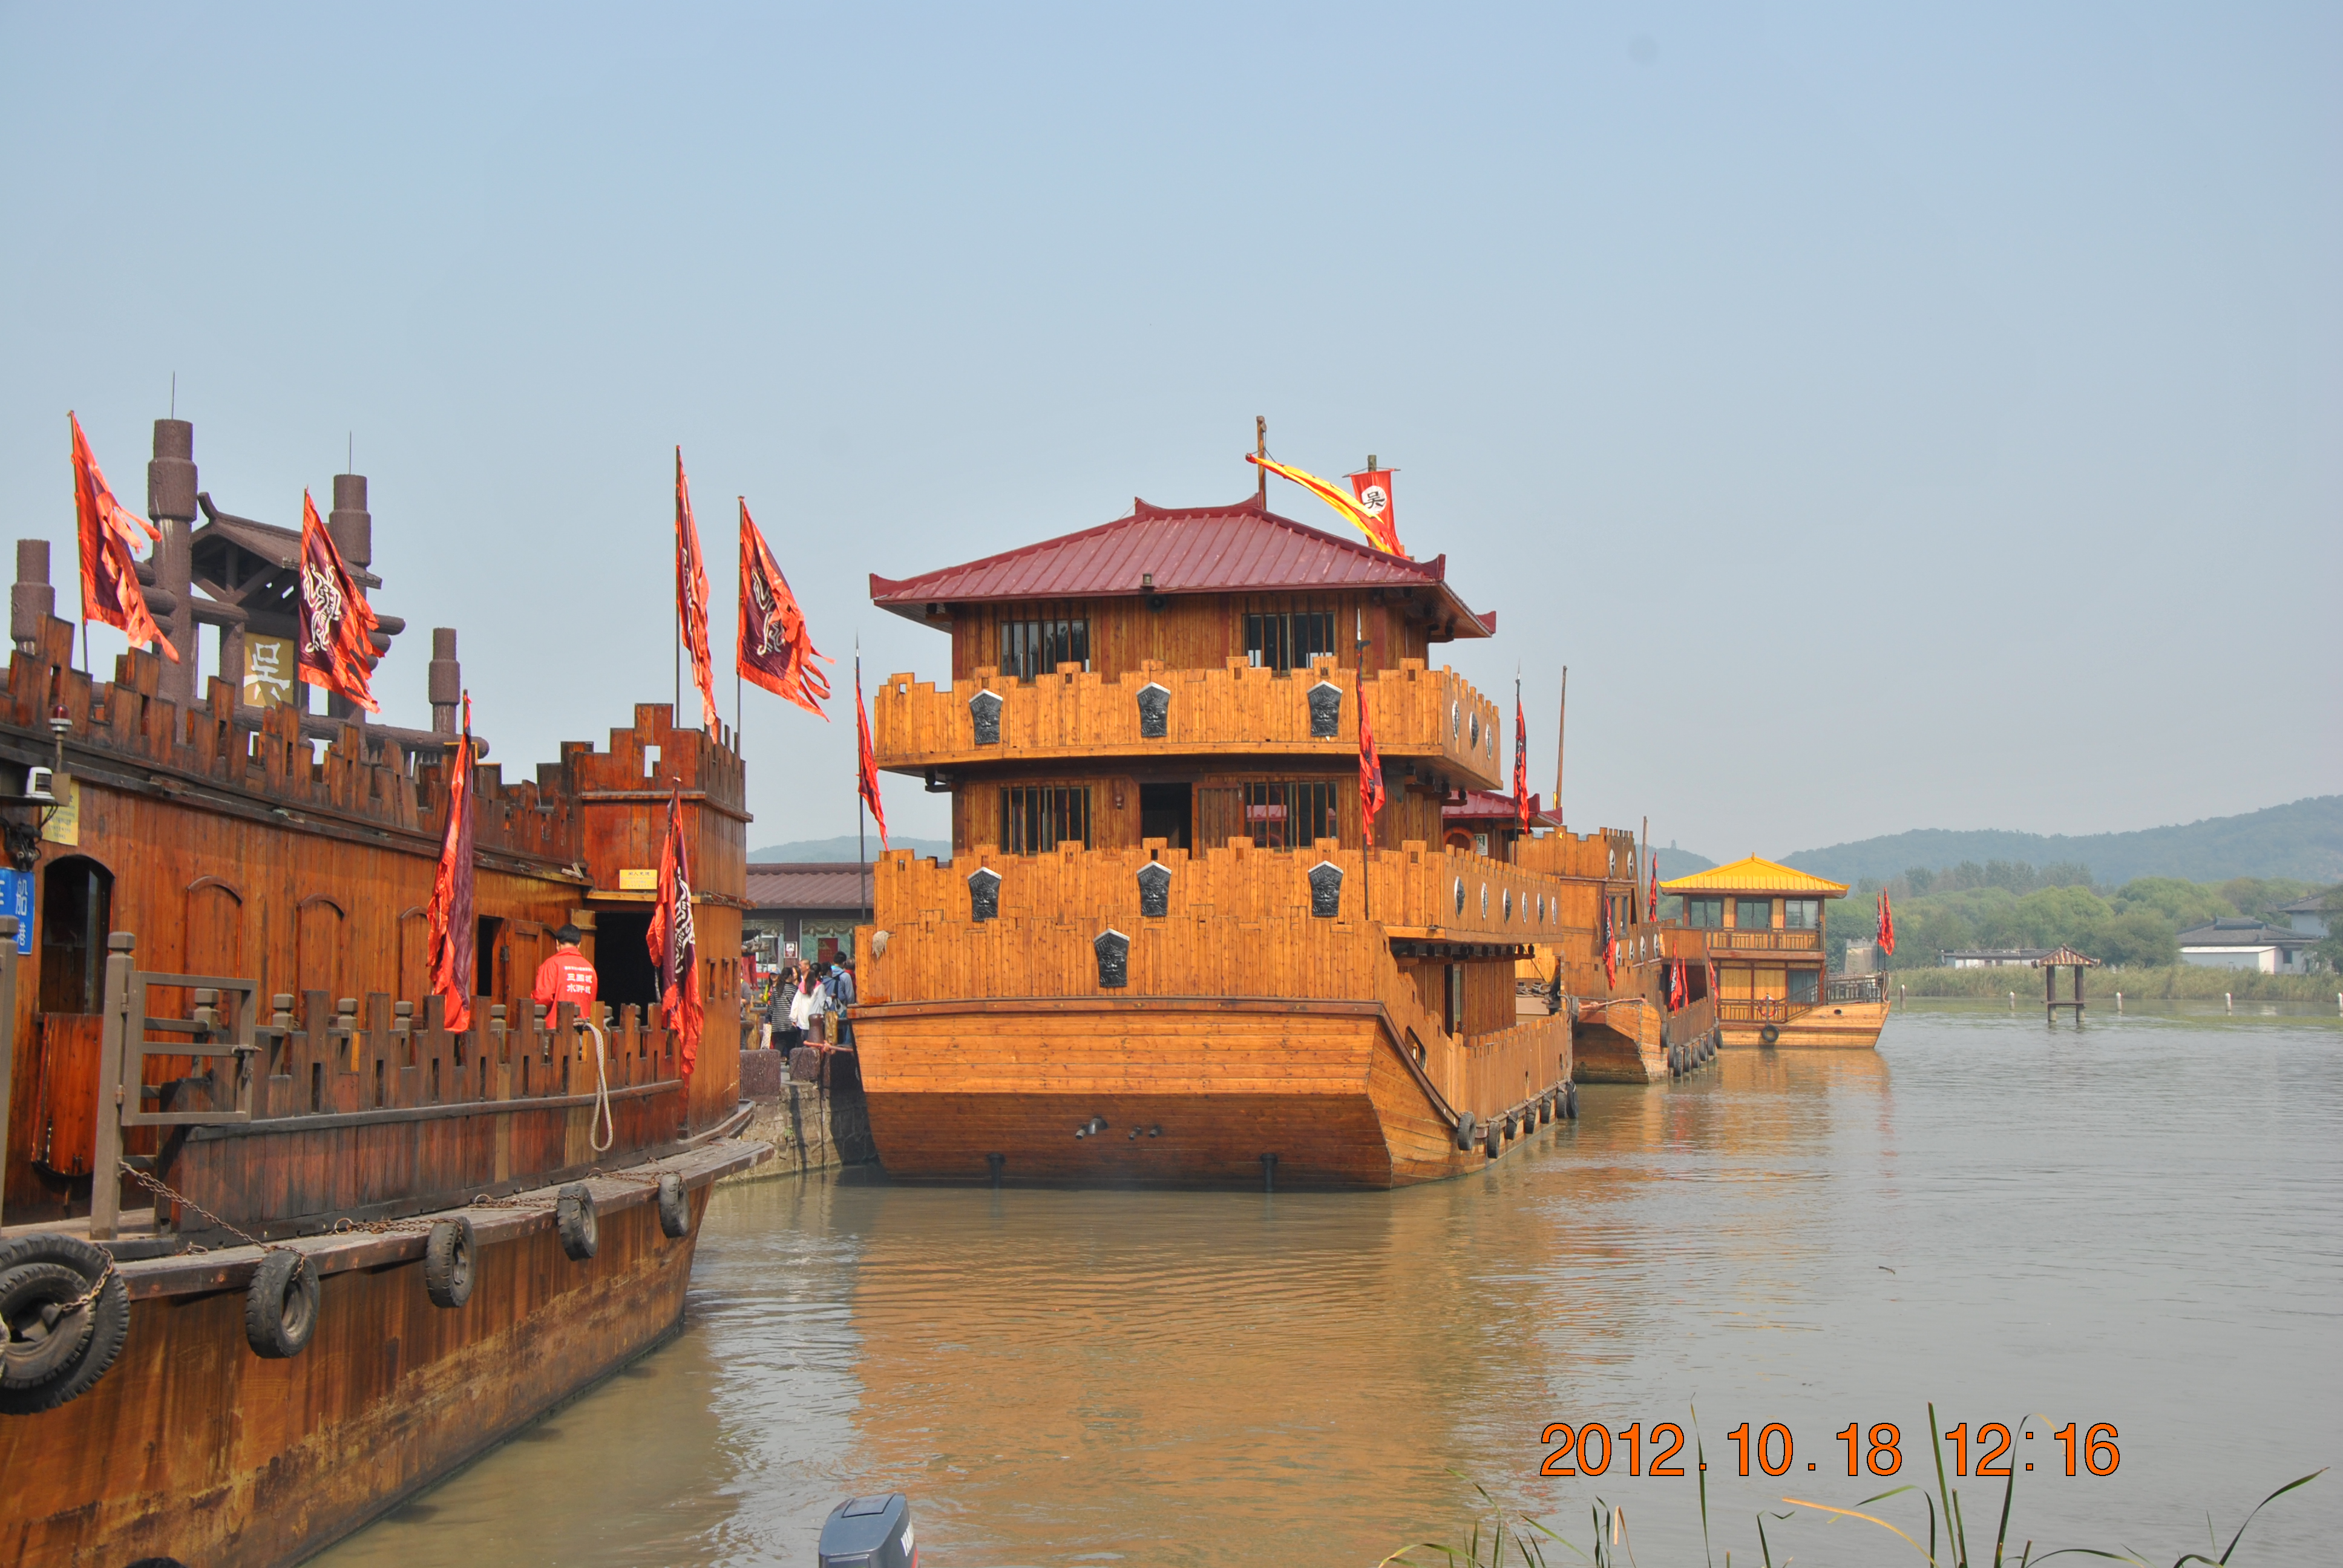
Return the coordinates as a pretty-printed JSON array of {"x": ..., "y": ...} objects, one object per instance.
[
  {"x": 573, "y": 1218},
  {"x": 46, "y": 1362},
  {"x": 675, "y": 1215},
  {"x": 280, "y": 1305},
  {"x": 448, "y": 1262},
  {"x": 1768, "y": 1035}
]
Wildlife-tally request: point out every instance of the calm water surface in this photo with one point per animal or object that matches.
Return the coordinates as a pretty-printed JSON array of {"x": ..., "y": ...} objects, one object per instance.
[{"x": 2139, "y": 1224}]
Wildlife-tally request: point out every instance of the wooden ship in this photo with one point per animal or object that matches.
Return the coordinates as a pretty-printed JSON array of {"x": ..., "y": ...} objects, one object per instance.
[
  {"x": 339, "y": 1249},
  {"x": 1161, "y": 951},
  {"x": 1763, "y": 925}
]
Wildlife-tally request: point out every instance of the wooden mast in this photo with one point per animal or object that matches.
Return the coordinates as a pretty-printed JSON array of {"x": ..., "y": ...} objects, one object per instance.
[
  {"x": 1561, "y": 723},
  {"x": 1261, "y": 449}
]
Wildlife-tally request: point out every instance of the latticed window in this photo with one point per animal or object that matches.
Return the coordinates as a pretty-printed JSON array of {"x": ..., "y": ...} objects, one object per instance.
[
  {"x": 1292, "y": 815},
  {"x": 1289, "y": 642},
  {"x": 1036, "y": 647},
  {"x": 1034, "y": 821}
]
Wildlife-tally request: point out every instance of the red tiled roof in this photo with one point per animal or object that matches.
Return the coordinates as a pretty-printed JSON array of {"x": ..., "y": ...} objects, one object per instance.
[
  {"x": 1243, "y": 547},
  {"x": 1490, "y": 806},
  {"x": 807, "y": 885}
]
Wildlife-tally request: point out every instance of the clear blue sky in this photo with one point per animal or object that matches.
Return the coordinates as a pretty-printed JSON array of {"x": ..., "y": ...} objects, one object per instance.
[{"x": 1894, "y": 416}]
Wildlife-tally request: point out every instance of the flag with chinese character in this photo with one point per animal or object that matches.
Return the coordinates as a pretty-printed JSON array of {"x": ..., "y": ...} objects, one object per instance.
[
  {"x": 674, "y": 942},
  {"x": 1371, "y": 770},
  {"x": 1378, "y": 530},
  {"x": 110, "y": 593},
  {"x": 1372, "y": 487},
  {"x": 776, "y": 650},
  {"x": 692, "y": 597},
  {"x": 1610, "y": 944},
  {"x": 335, "y": 625},
  {"x": 866, "y": 761},
  {"x": 450, "y": 931}
]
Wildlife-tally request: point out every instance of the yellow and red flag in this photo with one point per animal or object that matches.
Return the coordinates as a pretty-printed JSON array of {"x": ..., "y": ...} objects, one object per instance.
[
  {"x": 1372, "y": 488},
  {"x": 1371, "y": 770},
  {"x": 691, "y": 596},
  {"x": 674, "y": 941},
  {"x": 335, "y": 624},
  {"x": 450, "y": 929},
  {"x": 109, "y": 533},
  {"x": 866, "y": 761},
  {"x": 776, "y": 651},
  {"x": 1886, "y": 925},
  {"x": 1378, "y": 529}
]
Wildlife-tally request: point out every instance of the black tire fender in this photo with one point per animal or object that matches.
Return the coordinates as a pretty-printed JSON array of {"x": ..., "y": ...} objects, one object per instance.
[
  {"x": 1570, "y": 1101},
  {"x": 1493, "y": 1141},
  {"x": 280, "y": 1305},
  {"x": 448, "y": 1262},
  {"x": 573, "y": 1218},
  {"x": 52, "y": 1355},
  {"x": 1464, "y": 1131},
  {"x": 1768, "y": 1035},
  {"x": 674, "y": 1211}
]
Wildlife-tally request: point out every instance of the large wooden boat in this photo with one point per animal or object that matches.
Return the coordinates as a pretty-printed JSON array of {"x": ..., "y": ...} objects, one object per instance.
[
  {"x": 342, "y": 1248},
  {"x": 1161, "y": 951},
  {"x": 1762, "y": 924}
]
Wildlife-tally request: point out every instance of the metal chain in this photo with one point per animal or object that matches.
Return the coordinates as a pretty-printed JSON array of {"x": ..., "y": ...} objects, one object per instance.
[{"x": 160, "y": 1190}]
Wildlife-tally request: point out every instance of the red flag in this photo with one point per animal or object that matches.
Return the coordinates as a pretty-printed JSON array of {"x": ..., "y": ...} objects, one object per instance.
[
  {"x": 109, "y": 533},
  {"x": 1652, "y": 908},
  {"x": 692, "y": 597},
  {"x": 674, "y": 942},
  {"x": 776, "y": 651},
  {"x": 1677, "y": 986},
  {"x": 1886, "y": 924},
  {"x": 1372, "y": 487},
  {"x": 1371, "y": 770},
  {"x": 1610, "y": 945},
  {"x": 866, "y": 765},
  {"x": 335, "y": 623},
  {"x": 450, "y": 931},
  {"x": 1521, "y": 760}
]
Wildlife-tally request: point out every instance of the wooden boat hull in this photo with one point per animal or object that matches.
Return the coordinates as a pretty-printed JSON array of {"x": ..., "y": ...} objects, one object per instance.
[
  {"x": 195, "y": 1449},
  {"x": 1190, "y": 1095},
  {"x": 1831, "y": 1025}
]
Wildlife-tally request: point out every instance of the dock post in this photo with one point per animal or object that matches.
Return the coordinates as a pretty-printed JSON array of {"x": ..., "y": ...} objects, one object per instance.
[
  {"x": 8, "y": 1015},
  {"x": 106, "y": 1159}
]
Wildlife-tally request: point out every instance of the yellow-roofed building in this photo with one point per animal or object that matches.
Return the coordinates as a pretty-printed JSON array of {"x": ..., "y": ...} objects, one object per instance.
[{"x": 1764, "y": 924}]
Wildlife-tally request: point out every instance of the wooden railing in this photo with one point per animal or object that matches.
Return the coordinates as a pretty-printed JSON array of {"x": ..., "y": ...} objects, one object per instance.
[
  {"x": 1856, "y": 988},
  {"x": 1786, "y": 941},
  {"x": 1236, "y": 712},
  {"x": 1762, "y": 1009}
]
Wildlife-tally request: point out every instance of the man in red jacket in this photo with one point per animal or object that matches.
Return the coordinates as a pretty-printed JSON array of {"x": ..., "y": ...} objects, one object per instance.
[{"x": 568, "y": 977}]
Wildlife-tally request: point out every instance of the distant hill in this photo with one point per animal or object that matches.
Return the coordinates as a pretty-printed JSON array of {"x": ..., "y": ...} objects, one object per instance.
[
  {"x": 1675, "y": 862},
  {"x": 841, "y": 850},
  {"x": 2302, "y": 841}
]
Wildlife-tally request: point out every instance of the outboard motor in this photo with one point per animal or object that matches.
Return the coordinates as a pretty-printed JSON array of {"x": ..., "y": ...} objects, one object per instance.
[{"x": 869, "y": 1532}]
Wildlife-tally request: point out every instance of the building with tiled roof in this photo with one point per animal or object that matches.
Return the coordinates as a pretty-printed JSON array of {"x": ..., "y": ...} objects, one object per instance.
[
  {"x": 1764, "y": 926},
  {"x": 810, "y": 906},
  {"x": 2245, "y": 944}
]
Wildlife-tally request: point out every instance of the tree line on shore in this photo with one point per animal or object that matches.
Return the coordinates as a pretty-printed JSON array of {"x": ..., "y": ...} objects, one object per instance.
[{"x": 2012, "y": 904}]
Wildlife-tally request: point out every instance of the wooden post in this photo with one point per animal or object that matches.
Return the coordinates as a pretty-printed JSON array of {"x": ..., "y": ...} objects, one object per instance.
[
  {"x": 1561, "y": 724},
  {"x": 2078, "y": 993},
  {"x": 1261, "y": 449},
  {"x": 8, "y": 1014},
  {"x": 2049, "y": 990},
  {"x": 106, "y": 1159}
]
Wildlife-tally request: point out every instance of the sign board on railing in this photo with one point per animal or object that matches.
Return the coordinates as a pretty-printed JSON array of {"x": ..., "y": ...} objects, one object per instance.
[{"x": 16, "y": 899}]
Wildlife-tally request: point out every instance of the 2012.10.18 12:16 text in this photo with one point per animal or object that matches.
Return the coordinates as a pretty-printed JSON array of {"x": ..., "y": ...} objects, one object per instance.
[{"x": 1590, "y": 1449}]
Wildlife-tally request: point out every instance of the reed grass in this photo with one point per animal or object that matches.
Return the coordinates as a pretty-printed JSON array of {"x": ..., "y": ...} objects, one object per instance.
[
  {"x": 1503, "y": 1537},
  {"x": 2172, "y": 982}
]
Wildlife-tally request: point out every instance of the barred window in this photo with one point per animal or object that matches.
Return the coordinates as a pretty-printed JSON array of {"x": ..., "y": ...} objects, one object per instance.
[
  {"x": 1035, "y": 648},
  {"x": 1289, "y": 642},
  {"x": 1036, "y": 821},
  {"x": 1292, "y": 815}
]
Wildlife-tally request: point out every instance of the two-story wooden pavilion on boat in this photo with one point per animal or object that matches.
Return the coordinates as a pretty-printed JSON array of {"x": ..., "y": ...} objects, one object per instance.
[
  {"x": 1160, "y": 952},
  {"x": 1763, "y": 925},
  {"x": 226, "y": 902}
]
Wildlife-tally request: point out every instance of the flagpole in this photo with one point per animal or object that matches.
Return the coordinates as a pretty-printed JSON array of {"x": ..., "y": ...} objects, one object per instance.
[
  {"x": 862, "y": 846},
  {"x": 1561, "y": 724}
]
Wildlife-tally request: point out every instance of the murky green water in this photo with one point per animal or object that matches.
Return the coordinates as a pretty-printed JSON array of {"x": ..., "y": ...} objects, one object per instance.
[{"x": 2140, "y": 1223}]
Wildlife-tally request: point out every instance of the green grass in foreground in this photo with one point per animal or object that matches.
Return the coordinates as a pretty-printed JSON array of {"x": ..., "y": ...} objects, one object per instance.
[
  {"x": 2184, "y": 982},
  {"x": 1505, "y": 1536}
]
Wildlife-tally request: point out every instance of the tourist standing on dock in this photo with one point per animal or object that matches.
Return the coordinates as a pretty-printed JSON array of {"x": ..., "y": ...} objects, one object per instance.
[{"x": 840, "y": 990}]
